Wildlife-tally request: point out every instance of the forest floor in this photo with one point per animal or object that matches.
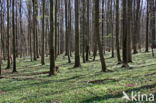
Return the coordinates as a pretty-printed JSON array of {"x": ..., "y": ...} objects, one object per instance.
[{"x": 31, "y": 84}]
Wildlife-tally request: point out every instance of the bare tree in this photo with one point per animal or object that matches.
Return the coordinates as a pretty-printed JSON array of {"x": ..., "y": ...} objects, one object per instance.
[
  {"x": 51, "y": 37},
  {"x": 98, "y": 36},
  {"x": 77, "y": 37}
]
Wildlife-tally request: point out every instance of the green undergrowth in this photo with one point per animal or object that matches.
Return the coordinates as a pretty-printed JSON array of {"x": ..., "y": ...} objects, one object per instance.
[{"x": 86, "y": 84}]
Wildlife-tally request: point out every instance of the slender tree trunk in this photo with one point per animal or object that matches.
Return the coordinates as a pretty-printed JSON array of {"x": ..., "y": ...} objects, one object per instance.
[
  {"x": 87, "y": 46},
  {"x": 36, "y": 34},
  {"x": 30, "y": 36},
  {"x": 147, "y": 24},
  {"x": 16, "y": 28},
  {"x": 14, "y": 38},
  {"x": 84, "y": 33},
  {"x": 56, "y": 32},
  {"x": 52, "y": 51},
  {"x": 136, "y": 27},
  {"x": 117, "y": 33},
  {"x": 103, "y": 24},
  {"x": 112, "y": 30},
  {"x": 29, "y": 28},
  {"x": 58, "y": 47},
  {"x": 129, "y": 30},
  {"x": 95, "y": 48},
  {"x": 21, "y": 30},
  {"x": 152, "y": 2},
  {"x": 69, "y": 31},
  {"x": 8, "y": 35},
  {"x": 125, "y": 48},
  {"x": 77, "y": 37},
  {"x": 34, "y": 30},
  {"x": 46, "y": 37},
  {"x": 98, "y": 36},
  {"x": 42, "y": 58},
  {"x": 66, "y": 24}
]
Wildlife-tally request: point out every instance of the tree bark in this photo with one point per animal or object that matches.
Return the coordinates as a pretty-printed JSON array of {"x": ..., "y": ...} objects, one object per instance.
[
  {"x": 52, "y": 51},
  {"x": 34, "y": 29},
  {"x": 8, "y": 35},
  {"x": 42, "y": 58},
  {"x": 87, "y": 45},
  {"x": 129, "y": 30},
  {"x": 117, "y": 33},
  {"x": 98, "y": 36},
  {"x": 14, "y": 37},
  {"x": 84, "y": 33},
  {"x": 69, "y": 31},
  {"x": 56, "y": 32},
  {"x": 152, "y": 2},
  {"x": 136, "y": 28},
  {"x": 77, "y": 37},
  {"x": 125, "y": 48},
  {"x": 147, "y": 24}
]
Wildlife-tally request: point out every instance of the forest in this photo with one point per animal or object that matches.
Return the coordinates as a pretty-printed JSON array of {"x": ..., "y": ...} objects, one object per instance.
[{"x": 77, "y": 51}]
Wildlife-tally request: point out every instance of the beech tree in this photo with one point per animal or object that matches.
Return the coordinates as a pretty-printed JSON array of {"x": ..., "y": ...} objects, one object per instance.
[
  {"x": 77, "y": 37},
  {"x": 8, "y": 35},
  {"x": 43, "y": 59},
  {"x": 125, "y": 38},
  {"x": 51, "y": 37},
  {"x": 98, "y": 36},
  {"x": 79, "y": 28},
  {"x": 117, "y": 32},
  {"x": 147, "y": 26},
  {"x": 14, "y": 37}
]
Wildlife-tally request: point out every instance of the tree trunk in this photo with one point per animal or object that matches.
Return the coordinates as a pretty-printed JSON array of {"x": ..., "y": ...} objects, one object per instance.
[
  {"x": 69, "y": 31},
  {"x": 51, "y": 37},
  {"x": 66, "y": 24},
  {"x": 98, "y": 36},
  {"x": 147, "y": 23},
  {"x": 84, "y": 33},
  {"x": 36, "y": 34},
  {"x": 30, "y": 29},
  {"x": 87, "y": 45},
  {"x": 117, "y": 33},
  {"x": 111, "y": 13},
  {"x": 17, "y": 28},
  {"x": 56, "y": 33},
  {"x": 77, "y": 37},
  {"x": 129, "y": 30},
  {"x": 136, "y": 28},
  {"x": 42, "y": 58},
  {"x": 125, "y": 45},
  {"x": 14, "y": 37},
  {"x": 34, "y": 29},
  {"x": 103, "y": 46},
  {"x": 152, "y": 2},
  {"x": 8, "y": 35}
]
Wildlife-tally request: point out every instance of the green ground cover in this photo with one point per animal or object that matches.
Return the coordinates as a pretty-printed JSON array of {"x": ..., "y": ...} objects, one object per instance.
[{"x": 31, "y": 84}]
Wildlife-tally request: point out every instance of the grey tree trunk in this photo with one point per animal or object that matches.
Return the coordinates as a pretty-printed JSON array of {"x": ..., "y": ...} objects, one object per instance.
[
  {"x": 8, "y": 35},
  {"x": 51, "y": 37},
  {"x": 129, "y": 30},
  {"x": 117, "y": 33},
  {"x": 147, "y": 26},
  {"x": 42, "y": 58},
  {"x": 98, "y": 36},
  {"x": 77, "y": 37},
  {"x": 14, "y": 37},
  {"x": 125, "y": 43}
]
